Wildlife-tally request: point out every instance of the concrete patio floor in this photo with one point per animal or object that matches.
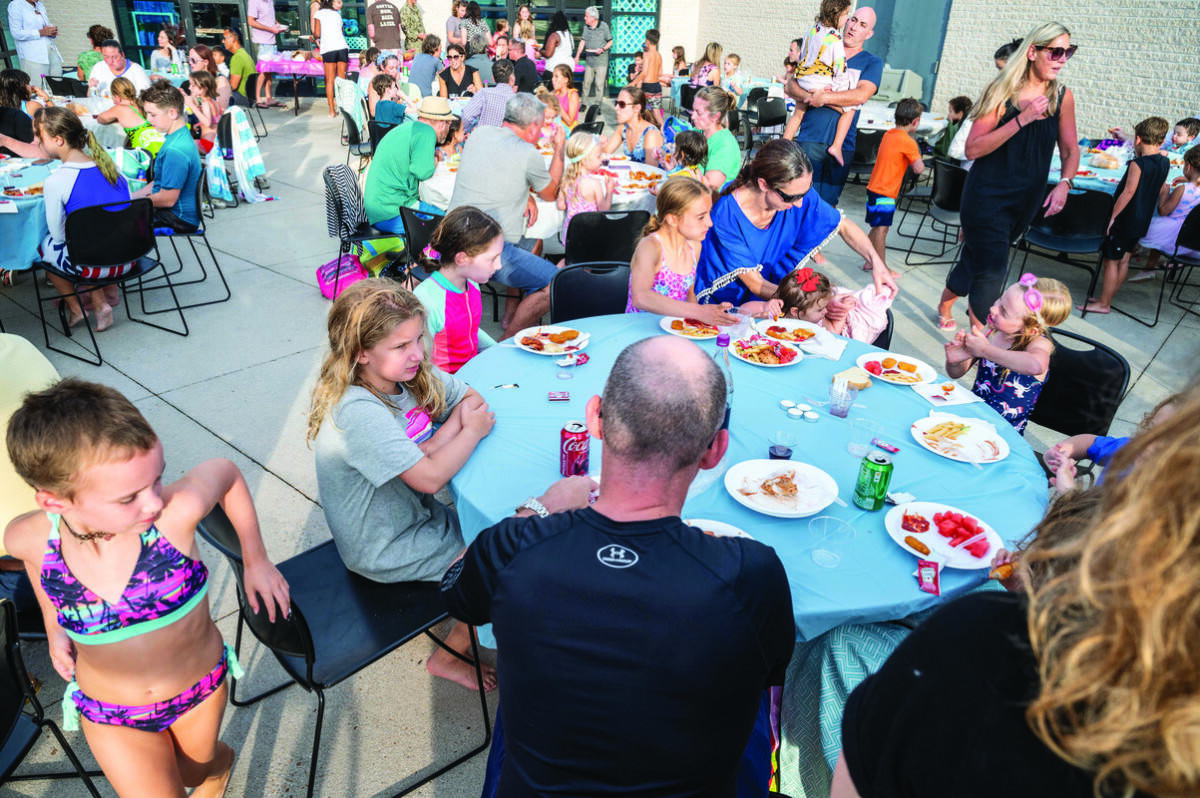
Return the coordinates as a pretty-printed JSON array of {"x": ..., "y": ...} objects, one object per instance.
[{"x": 238, "y": 387}]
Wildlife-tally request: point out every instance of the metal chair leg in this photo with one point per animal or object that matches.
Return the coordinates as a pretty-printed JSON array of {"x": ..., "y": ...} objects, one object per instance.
[
  {"x": 312, "y": 767},
  {"x": 78, "y": 773},
  {"x": 245, "y": 702}
]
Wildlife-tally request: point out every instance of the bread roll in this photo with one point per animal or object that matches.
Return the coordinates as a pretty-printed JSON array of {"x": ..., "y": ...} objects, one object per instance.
[{"x": 855, "y": 377}]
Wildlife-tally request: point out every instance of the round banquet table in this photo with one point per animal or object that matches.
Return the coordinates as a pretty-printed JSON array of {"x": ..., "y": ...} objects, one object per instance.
[
  {"x": 22, "y": 232},
  {"x": 875, "y": 580},
  {"x": 1105, "y": 180}
]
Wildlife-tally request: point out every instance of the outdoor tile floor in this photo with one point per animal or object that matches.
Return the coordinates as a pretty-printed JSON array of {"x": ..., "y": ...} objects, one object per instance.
[{"x": 238, "y": 387}]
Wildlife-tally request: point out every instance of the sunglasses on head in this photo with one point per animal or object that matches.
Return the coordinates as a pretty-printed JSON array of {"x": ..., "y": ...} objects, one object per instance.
[
  {"x": 1060, "y": 53},
  {"x": 791, "y": 199}
]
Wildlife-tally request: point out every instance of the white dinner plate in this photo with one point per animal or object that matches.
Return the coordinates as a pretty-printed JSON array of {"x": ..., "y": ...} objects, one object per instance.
[
  {"x": 574, "y": 345},
  {"x": 665, "y": 323},
  {"x": 939, "y": 547},
  {"x": 718, "y": 529},
  {"x": 733, "y": 350},
  {"x": 978, "y": 443},
  {"x": 924, "y": 373},
  {"x": 816, "y": 490},
  {"x": 762, "y": 325}
]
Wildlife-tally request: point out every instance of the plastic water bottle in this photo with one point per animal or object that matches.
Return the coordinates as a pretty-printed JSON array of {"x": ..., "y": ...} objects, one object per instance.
[{"x": 721, "y": 356}]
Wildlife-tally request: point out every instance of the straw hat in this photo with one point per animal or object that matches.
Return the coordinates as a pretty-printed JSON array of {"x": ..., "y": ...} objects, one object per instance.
[{"x": 436, "y": 108}]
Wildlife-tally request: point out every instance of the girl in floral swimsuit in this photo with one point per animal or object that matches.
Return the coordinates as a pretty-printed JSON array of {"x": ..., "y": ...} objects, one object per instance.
[
  {"x": 663, "y": 272},
  {"x": 113, "y": 558},
  {"x": 583, "y": 191}
]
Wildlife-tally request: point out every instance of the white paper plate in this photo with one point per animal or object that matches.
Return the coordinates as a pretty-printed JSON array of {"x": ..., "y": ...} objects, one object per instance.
[
  {"x": 719, "y": 529},
  {"x": 817, "y": 490},
  {"x": 733, "y": 350},
  {"x": 939, "y": 547},
  {"x": 791, "y": 324},
  {"x": 980, "y": 443},
  {"x": 925, "y": 372},
  {"x": 665, "y": 323},
  {"x": 575, "y": 345}
]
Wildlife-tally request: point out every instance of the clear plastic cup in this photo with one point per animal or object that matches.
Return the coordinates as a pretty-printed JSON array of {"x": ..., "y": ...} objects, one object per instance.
[
  {"x": 862, "y": 432},
  {"x": 832, "y": 538}
]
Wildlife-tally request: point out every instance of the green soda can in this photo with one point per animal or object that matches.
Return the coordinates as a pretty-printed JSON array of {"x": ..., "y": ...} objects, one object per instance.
[{"x": 874, "y": 477}]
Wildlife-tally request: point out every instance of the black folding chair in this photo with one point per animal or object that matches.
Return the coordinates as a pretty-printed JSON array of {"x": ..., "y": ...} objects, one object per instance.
[
  {"x": 376, "y": 131},
  {"x": 252, "y": 106},
  {"x": 345, "y": 218},
  {"x": 1078, "y": 229},
  {"x": 609, "y": 236},
  {"x": 752, "y": 98},
  {"x": 768, "y": 112},
  {"x": 66, "y": 86},
  {"x": 22, "y": 717},
  {"x": 102, "y": 236},
  {"x": 596, "y": 127},
  {"x": 339, "y": 623},
  {"x": 1188, "y": 238},
  {"x": 592, "y": 112},
  {"x": 687, "y": 96},
  {"x": 913, "y": 189},
  {"x": 588, "y": 289},
  {"x": 866, "y": 150},
  {"x": 354, "y": 143},
  {"x": 1083, "y": 389},
  {"x": 948, "y": 182},
  {"x": 884, "y": 339},
  {"x": 225, "y": 142},
  {"x": 190, "y": 236}
]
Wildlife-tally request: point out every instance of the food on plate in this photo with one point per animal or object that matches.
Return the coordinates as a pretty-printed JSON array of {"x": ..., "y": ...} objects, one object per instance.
[
  {"x": 693, "y": 327},
  {"x": 759, "y": 349},
  {"x": 780, "y": 485},
  {"x": 1085, "y": 173},
  {"x": 947, "y": 387},
  {"x": 888, "y": 362},
  {"x": 893, "y": 369},
  {"x": 874, "y": 367},
  {"x": 796, "y": 334},
  {"x": 915, "y": 522},
  {"x": 961, "y": 528},
  {"x": 551, "y": 342},
  {"x": 916, "y": 545},
  {"x": 903, "y": 365},
  {"x": 855, "y": 377},
  {"x": 1105, "y": 160},
  {"x": 945, "y": 431}
]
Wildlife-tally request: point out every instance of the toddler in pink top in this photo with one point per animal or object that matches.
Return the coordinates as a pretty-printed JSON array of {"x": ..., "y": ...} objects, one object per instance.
[
  {"x": 463, "y": 252},
  {"x": 809, "y": 295}
]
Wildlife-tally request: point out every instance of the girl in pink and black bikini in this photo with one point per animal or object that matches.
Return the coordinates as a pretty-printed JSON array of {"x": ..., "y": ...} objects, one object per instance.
[
  {"x": 582, "y": 190},
  {"x": 112, "y": 556},
  {"x": 662, "y": 274}
]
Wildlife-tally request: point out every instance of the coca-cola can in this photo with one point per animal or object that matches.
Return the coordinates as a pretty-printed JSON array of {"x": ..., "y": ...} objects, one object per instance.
[{"x": 573, "y": 449}]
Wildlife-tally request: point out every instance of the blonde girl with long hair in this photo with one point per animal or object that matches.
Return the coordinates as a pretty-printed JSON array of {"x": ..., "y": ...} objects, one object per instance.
[
  {"x": 379, "y": 458},
  {"x": 707, "y": 70},
  {"x": 1017, "y": 122},
  {"x": 582, "y": 190},
  {"x": 662, "y": 276},
  {"x": 127, "y": 112},
  {"x": 1013, "y": 351},
  {"x": 87, "y": 176}
]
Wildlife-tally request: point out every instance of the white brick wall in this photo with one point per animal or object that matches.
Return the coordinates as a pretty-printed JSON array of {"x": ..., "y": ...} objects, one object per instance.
[
  {"x": 1137, "y": 58},
  {"x": 73, "y": 18},
  {"x": 757, "y": 31}
]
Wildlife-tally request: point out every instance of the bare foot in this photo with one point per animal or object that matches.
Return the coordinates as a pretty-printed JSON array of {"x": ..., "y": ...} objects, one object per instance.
[
  {"x": 104, "y": 318},
  {"x": 75, "y": 320},
  {"x": 447, "y": 667},
  {"x": 214, "y": 786},
  {"x": 1095, "y": 306},
  {"x": 836, "y": 152},
  {"x": 819, "y": 259}
]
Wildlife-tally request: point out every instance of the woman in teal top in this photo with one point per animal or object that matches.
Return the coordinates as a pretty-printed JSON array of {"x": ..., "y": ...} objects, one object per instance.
[{"x": 710, "y": 113}]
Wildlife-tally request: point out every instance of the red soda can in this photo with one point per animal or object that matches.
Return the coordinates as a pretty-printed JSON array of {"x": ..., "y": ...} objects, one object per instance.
[{"x": 573, "y": 449}]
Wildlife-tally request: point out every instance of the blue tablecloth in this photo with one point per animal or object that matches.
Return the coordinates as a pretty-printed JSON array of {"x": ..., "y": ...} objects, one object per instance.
[
  {"x": 1105, "y": 179},
  {"x": 875, "y": 580},
  {"x": 21, "y": 233}
]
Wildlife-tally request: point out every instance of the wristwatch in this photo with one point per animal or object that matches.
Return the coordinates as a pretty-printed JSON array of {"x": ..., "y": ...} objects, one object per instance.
[
  {"x": 1069, "y": 181},
  {"x": 533, "y": 504}
]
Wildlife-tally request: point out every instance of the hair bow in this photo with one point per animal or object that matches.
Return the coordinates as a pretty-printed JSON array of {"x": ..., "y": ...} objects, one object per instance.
[
  {"x": 807, "y": 279},
  {"x": 431, "y": 253}
]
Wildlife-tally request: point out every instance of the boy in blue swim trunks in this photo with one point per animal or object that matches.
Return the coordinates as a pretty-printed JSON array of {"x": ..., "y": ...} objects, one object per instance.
[{"x": 898, "y": 152}]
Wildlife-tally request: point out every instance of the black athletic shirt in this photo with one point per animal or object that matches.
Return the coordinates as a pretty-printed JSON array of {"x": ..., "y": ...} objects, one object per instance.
[
  {"x": 945, "y": 715},
  {"x": 632, "y": 656}
]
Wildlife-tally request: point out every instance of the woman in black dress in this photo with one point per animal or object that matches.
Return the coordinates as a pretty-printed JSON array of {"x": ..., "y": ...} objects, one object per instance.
[
  {"x": 458, "y": 79},
  {"x": 1018, "y": 120}
]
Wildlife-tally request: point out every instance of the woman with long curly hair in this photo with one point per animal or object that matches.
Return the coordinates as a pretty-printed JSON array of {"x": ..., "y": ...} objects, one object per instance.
[
  {"x": 379, "y": 459},
  {"x": 1084, "y": 685}
]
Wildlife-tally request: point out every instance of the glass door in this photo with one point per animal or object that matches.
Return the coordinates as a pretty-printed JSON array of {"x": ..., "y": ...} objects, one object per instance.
[{"x": 138, "y": 24}]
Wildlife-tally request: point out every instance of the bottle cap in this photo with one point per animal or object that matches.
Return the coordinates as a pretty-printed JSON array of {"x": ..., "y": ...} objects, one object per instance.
[{"x": 723, "y": 339}]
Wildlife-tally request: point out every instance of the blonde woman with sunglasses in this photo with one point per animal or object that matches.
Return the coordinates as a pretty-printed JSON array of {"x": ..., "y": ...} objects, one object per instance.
[{"x": 1020, "y": 117}]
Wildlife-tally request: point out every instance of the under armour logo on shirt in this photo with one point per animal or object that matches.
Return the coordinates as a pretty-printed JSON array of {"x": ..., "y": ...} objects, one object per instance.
[{"x": 615, "y": 556}]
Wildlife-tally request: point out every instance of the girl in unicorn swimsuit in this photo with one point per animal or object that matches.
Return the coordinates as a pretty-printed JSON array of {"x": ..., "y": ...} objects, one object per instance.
[
  {"x": 389, "y": 429},
  {"x": 1013, "y": 351},
  {"x": 112, "y": 556}
]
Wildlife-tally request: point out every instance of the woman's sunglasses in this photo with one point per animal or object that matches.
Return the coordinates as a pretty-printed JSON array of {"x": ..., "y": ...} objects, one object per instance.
[
  {"x": 1060, "y": 53},
  {"x": 791, "y": 199},
  {"x": 622, "y": 104},
  {"x": 453, "y": 57}
]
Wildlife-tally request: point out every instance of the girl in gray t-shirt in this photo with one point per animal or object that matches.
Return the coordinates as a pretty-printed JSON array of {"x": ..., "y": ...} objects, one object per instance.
[{"x": 380, "y": 459}]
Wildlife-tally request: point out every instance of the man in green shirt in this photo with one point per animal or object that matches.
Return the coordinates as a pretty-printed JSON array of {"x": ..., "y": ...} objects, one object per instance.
[
  {"x": 241, "y": 65},
  {"x": 402, "y": 160}
]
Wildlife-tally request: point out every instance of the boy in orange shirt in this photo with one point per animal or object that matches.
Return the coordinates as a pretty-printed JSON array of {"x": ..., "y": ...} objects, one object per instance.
[{"x": 897, "y": 152}]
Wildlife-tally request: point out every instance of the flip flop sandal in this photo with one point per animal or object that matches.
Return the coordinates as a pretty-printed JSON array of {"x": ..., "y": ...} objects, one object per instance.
[{"x": 947, "y": 324}]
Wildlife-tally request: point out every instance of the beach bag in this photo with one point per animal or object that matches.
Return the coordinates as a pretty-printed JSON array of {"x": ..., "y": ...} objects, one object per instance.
[{"x": 342, "y": 272}]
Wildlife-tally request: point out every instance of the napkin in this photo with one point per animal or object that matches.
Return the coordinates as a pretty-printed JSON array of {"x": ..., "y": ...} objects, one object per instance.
[
  {"x": 825, "y": 344},
  {"x": 8, "y": 206},
  {"x": 932, "y": 393}
]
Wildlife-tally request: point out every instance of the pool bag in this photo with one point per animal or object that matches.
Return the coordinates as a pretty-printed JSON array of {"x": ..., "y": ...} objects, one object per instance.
[{"x": 344, "y": 271}]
